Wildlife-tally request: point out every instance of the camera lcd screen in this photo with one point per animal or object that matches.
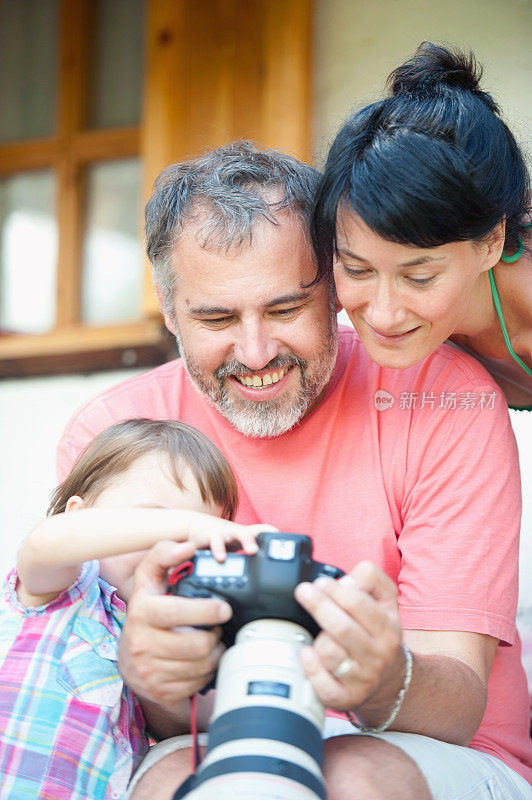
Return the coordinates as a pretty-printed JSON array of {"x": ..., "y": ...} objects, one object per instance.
[{"x": 233, "y": 567}]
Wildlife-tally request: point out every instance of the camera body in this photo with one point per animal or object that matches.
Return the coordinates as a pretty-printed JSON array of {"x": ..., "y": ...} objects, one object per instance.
[{"x": 259, "y": 586}]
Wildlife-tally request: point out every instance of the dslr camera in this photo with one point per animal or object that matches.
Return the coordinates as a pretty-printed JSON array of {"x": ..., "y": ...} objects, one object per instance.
[{"x": 265, "y": 732}]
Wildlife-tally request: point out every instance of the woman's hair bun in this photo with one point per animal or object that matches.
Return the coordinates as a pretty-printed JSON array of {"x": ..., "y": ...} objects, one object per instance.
[{"x": 434, "y": 65}]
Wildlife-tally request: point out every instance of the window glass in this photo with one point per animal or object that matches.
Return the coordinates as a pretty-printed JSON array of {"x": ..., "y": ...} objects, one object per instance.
[
  {"x": 28, "y": 68},
  {"x": 117, "y": 49},
  {"x": 112, "y": 276},
  {"x": 28, "y": 252}
]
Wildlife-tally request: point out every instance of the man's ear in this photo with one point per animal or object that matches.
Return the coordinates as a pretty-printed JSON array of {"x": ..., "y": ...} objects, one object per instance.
[
  {"x": 169, "y": 322},
  {"x": 494, "y": 245},
  {"x": 167, "y": 319},
  {"x": 74, "y": 503}
]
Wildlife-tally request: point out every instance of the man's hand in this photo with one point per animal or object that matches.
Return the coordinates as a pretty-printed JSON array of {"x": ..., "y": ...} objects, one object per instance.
[
  {"x": 163, "y": 659},
  {"x": 361, "y": 630}
]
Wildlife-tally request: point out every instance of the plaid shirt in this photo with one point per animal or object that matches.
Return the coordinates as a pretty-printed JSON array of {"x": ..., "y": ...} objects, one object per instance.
[{"x": 69, "y": 728}]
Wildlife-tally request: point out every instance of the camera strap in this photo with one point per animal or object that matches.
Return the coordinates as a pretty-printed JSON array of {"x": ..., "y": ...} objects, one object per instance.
[{"x": 196, "y": 755}]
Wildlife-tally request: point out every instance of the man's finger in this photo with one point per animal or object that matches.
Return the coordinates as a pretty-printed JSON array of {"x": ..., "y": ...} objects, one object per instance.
[
  {"x": 329, "y": 690},
  {"x": 375, "y": 582},
  {"x": 166, "y": 611},
  {"x": 333, "y": 619},
  {"x": 167, "y": 671},
  {"x": 172, "y": 644},
  {"x": 152, "y": 571},
  {"x": 373, "y": 615}
]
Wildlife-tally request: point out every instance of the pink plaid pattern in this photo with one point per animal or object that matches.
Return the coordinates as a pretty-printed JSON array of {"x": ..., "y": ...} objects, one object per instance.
[{"x": 69, "y": 728}]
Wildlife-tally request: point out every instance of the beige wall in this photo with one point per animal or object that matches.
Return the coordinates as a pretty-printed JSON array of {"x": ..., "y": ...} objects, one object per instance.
[{"x": 358, "y": 42}]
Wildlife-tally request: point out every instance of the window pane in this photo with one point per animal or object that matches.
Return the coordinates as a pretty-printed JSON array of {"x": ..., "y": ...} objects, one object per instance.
[
  {"x": 28, "y": 252},
  {"x": 28, "y": 58},
  {"x": 117, "y": 56},
  {"x": 112, "y": 278}
]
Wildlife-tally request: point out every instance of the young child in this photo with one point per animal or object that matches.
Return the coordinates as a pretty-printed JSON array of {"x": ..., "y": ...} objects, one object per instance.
[{"x": 69, "y": 728}]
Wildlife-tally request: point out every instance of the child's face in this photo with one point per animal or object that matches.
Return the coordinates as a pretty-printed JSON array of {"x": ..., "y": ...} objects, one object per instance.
[{"x": 146, "y": 484}]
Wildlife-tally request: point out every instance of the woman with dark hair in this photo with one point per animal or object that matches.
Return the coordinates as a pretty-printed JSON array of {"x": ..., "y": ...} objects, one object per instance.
[{"x": 423, "y": 213}]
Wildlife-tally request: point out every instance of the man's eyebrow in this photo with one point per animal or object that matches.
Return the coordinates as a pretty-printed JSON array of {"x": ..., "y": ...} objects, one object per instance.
[
  {"x": 211, "y": 311},
  {"x": 414, "y": 263},
  {"x": 292, "y": 297}
]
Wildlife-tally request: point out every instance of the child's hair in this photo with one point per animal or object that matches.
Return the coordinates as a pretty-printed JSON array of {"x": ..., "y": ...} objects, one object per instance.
[{"x": 116, "y": 449}]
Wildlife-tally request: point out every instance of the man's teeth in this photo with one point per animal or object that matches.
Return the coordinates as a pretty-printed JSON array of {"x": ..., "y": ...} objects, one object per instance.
[{"x": 266, "y": 380}]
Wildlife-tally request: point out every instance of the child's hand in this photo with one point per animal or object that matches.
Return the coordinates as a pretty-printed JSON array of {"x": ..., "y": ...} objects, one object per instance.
[{"x": 216, "y": 533}]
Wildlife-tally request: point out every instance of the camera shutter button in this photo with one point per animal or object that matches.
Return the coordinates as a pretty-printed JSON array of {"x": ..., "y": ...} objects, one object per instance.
[{"x": 329, "y": 571}]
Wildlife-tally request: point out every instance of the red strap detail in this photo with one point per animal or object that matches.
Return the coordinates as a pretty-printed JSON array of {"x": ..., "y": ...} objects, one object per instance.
[{"x": 181, "y": 571}]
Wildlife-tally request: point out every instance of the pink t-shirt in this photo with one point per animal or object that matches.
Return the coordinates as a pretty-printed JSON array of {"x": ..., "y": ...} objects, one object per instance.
[{"x": 415, "y": 470}]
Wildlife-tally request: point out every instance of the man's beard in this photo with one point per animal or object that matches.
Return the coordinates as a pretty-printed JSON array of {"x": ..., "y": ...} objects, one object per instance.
[{"x": 264, "y": 419}]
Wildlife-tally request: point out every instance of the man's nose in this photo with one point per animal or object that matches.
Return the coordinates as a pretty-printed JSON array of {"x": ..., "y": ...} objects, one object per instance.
[
  {"x": 385, "y": 310},
  {"x": 255, "y": 347}
]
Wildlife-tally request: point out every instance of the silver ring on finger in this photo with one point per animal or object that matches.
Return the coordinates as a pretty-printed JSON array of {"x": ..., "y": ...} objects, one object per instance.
[{"x": 343, "y": 668}]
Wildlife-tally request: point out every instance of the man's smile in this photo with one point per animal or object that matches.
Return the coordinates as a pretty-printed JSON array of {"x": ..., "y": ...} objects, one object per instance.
[
  {"x": 266, "y": 383},
  {"x": 262, "y": 378}
]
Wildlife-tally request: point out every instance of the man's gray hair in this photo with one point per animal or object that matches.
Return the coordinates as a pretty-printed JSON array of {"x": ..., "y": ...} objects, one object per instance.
[{"x": 227, "y": 189}]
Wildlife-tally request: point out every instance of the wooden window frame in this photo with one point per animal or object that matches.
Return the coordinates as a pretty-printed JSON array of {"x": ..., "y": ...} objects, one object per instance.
[
  {"x": 72, "y": 346},
  {"x": 213, "y": 72}
]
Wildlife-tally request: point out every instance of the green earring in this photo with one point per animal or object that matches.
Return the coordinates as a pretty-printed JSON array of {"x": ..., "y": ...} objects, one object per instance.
[{"x": 516, "y": 255}]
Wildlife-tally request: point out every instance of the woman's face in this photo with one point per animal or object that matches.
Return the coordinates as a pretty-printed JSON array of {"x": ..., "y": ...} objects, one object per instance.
[{"x": 404, "y": 301}]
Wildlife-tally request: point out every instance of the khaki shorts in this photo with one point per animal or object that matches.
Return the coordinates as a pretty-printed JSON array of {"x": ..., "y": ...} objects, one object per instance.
[{"x": 452, "y": 772}]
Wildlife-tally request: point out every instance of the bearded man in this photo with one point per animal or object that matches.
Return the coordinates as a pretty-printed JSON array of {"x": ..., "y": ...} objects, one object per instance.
[{"x": 417, "y": 501}]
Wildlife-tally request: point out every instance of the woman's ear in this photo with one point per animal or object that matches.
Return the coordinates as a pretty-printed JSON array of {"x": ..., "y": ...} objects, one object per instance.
[
  {"x": 74, "y": 503},
  {"x": 495, "y": 245}
]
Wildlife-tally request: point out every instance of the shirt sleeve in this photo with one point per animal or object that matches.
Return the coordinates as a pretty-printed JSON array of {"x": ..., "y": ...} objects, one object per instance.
[
  {"x": 461, "y": 514},
  {"x": 88, "y": 575}
]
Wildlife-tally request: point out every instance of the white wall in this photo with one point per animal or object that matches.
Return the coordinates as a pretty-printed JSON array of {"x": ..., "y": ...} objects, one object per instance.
[
  {"x": 33, "y": 414},
  {"x": 358, "y": 42}
]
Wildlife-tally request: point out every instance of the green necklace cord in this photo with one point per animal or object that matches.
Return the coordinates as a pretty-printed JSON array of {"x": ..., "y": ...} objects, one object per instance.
[
  {"x": 498, "y": 308},
  {"x": 518, "y": 253}
]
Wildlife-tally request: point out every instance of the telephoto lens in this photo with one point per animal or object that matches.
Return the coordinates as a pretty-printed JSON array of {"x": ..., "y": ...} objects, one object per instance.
[{"x": 265, "y": 734}]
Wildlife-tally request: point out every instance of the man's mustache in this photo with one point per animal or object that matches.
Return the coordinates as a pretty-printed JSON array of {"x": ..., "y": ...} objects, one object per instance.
[{"x": 237, "y": 368}]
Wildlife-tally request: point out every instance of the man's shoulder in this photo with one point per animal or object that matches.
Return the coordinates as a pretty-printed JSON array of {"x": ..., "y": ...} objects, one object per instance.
[
  {"x": 455, "y": 365},
  {"x": 140, "y": 394},
  {"x": 447, "y": 364}
]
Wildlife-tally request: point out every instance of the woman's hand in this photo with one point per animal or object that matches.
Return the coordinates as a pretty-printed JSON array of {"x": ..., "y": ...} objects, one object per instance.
[{"x": 357, "y": 656}]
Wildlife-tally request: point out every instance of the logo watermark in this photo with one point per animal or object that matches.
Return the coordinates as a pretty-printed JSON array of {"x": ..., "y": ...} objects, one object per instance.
[
  {"x": 383, "y": 400},
  {"x": 449, "y": 401}
]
